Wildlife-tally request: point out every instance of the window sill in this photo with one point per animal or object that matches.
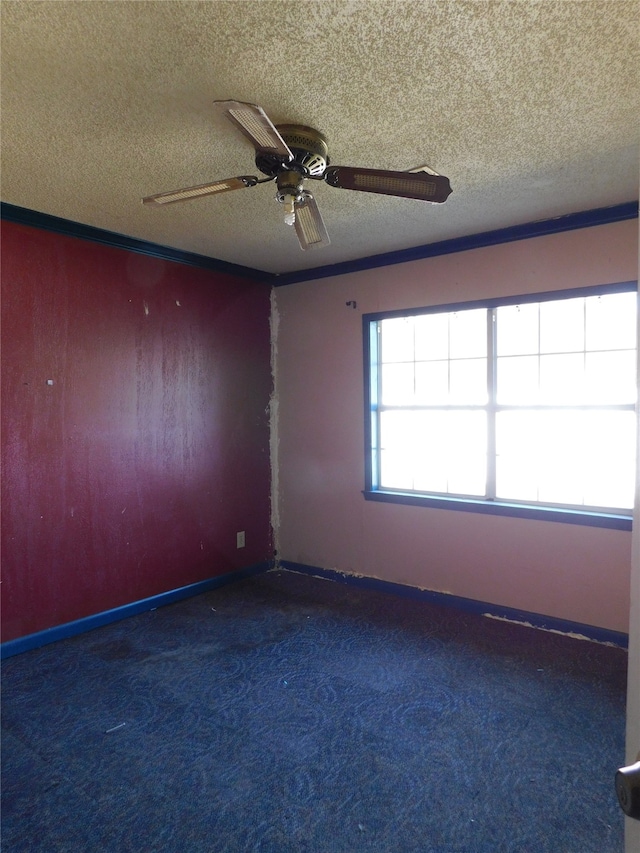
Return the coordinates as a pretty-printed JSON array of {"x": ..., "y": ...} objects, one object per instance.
[{"x": 515, "y": 510}]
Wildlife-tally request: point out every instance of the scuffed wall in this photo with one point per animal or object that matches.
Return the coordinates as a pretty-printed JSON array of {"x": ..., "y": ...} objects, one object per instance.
[{"x": 135, "y": 434}]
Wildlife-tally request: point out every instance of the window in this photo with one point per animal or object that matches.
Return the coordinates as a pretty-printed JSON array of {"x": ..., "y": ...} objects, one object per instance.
[{"x": 507, "y": 405}]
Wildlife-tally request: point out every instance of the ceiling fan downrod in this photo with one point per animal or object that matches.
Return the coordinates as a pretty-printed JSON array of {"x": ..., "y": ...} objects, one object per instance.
[
  {"x": 310, "y": 159},
  {"x": 308, "y": 147}
]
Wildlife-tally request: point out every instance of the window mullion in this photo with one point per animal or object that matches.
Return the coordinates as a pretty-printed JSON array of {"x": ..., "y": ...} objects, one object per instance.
[
  {"x": 492, "y": 404},
  {"x": 376, "y": 342}
]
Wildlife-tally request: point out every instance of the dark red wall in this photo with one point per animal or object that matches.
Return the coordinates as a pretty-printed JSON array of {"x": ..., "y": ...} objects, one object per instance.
[{"x": 130, "y": 474}]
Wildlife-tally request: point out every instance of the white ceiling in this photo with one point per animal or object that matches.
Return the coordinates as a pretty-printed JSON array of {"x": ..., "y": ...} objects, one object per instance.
[{"x": 530, "y": 108}]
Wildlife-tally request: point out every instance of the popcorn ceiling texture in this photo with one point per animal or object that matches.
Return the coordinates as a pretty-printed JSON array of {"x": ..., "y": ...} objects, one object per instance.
[{"x": 530, "y": 108}]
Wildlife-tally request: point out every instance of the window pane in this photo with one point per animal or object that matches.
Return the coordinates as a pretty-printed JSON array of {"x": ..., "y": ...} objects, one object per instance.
[
  {"x": 517, "y": 329},
  {"x": 435, "y": 451},
  {"x": 518, "y": 380},
  {"x": 562, "y": 379},
  {"x": 432, "y": 337},
  {"x": 396, "y": 339},
  {"x": 431, "y": 472},
  {"x": 469, "y": 477},
  {"x": 537, "y": 457},
  {"x": 398, "y": 430},
  {"x": 468, "y": 333},
  {"x": 611, "y": 321},
  {"x": 398, "y": 444},
  {"x": 611, "y": 377},
  {"x": 562, "y": 325},
  {"x": 453, "y": 452},
  {"x": 516, "y": 456},
  {"x": 432, "y": 462},
  {"x": 468, "y": 381},
  {"x": 566, "y": 457},
  {"x": 517, "y": 479},
  {"x": 397, "y": 384},
  {"x": 396, "y": 470},
  {"x": 563, "y": 463},
  {"x": 432, "y": 383},
  {"x": 610, "y": 438},
  {"x": 466, "y": 446}
]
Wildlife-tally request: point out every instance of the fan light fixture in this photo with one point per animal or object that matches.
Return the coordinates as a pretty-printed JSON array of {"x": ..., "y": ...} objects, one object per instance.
[{"x": 289, "y": 210}]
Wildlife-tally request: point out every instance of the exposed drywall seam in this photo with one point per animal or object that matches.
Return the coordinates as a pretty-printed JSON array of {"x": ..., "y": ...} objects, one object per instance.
[{"x": 274, "y": 437}]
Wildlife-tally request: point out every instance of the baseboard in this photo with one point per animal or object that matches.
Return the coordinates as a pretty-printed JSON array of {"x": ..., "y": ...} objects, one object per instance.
[
  {"x": 483, "y": 608},
  {"x": 509, "y": 614},
  {"x": 106, "y": 617}
]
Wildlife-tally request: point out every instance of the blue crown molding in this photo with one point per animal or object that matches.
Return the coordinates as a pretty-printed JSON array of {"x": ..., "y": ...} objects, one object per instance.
[
  {"x": 107, "y": 617},
  {"x": 469, "y": 605},
  {"x": 46, "y": 222},
  {"x": 569, "y": 222}
]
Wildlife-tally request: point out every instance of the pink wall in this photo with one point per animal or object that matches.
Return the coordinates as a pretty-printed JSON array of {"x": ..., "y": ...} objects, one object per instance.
[
  {"x": 566, "y": 571},
  {"x": 131, "y": 474}
]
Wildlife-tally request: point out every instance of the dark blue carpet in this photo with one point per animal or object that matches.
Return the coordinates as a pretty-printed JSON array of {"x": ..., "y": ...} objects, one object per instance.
[{"x": 289, "y": 714}]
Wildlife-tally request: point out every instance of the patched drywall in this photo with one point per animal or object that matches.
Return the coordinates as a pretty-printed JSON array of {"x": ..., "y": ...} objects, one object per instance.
[{"x": 274, "y": 436}]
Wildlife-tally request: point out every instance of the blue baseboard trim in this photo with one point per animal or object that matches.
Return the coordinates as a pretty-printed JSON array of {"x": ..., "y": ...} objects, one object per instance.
[
  {"x": 106, "y": 617},
  {"x": 470, "y": 605}
]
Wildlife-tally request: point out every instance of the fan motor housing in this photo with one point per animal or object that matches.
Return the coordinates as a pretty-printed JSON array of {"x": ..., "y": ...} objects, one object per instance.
[{"x": 309, "y": 149}]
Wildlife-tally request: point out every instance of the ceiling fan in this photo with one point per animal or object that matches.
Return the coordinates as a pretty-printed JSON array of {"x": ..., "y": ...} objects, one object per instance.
[{"x": 291, "y": 154}]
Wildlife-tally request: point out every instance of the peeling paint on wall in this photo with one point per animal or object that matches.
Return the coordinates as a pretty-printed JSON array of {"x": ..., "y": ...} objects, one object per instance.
[
  {"x": 572, "y": 634},
  {"x": 274, "y": 438}
]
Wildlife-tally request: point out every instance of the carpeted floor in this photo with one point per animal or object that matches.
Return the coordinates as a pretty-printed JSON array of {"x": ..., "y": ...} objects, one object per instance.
[{"x": 290, "y": 714}]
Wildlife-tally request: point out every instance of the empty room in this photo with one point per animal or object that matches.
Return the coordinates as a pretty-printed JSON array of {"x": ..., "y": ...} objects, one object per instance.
[{"x": 318, "y": 497}]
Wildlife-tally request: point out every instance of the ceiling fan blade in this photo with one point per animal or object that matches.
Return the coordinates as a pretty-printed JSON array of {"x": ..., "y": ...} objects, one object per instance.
[
  {"x": 256, "y": 125},
  {"x": 309, "y": 224},
  {"x": 420, "y": 185},
  {"x": 424, "y": 168},
  {"x": 214, "y": 188}
]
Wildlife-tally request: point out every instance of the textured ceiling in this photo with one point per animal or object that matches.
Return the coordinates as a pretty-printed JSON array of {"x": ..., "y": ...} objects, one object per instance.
[{"x": 530, "y": 108}]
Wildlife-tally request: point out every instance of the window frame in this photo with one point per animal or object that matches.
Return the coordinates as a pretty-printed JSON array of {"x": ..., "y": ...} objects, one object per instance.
[{"x": 541, "y": 512}]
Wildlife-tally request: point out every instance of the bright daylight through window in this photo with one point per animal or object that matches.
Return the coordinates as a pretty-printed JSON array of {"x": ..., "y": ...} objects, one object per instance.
[{"x": 528, "y": 401}]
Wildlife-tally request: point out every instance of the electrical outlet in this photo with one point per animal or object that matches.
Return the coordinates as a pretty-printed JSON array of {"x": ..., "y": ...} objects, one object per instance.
[{"x": 240, "y": 539}]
